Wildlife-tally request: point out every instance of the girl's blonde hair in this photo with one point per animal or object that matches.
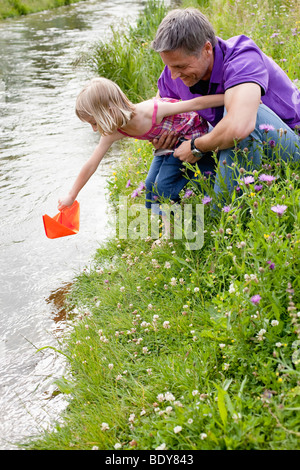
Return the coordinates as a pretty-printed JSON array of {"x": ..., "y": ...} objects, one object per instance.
[{"x": 104, "y": 101}]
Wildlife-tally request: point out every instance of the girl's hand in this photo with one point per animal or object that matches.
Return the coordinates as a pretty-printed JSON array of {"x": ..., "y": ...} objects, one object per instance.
[{"x": 65, "y": 202}]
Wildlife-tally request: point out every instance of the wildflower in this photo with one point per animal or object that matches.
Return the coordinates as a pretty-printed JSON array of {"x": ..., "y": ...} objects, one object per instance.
[
  {"x": 258, "y": 187},
  {"x": 141, "y": 186},
  {"x": 260, "y": 334},
  {"x": 169, "y": 409},
  {"x": 117, "y": 446},
  {"x": 248, "y": 179},
  {"x": 128, "y": 184},
  {"x": 266, "y": 127},
  {"x": 190, "y": 421},
  {"x": 173, "y": 281},
  {"x": 110, "y": 366},
  {"x": 135, "y": 193},
  {"x": 206, "y": 200},
  {"x": 226, "y": 209},
  {"x": 272, "y": 143},
  {"x": 169, "y": 396},
  {"x": 166, "y": 324},
  {"x": 203, "y": 436},
  {"x": 188, "y": 193},
  {"x": 104, "y": 427},
  {"x": 274, "y": 322},
  {"x": 226, "y": 366},
  {"x": 222, "y": 345},
  {"x": 160, "y": 397},
  {"x": 255, "y": 299},
  {"x": 267, "y": 178},
  {"x": 167, "y": 265},
  {"x": 177, "y": 429},
  {"x": 196, "y": 289},
  {"x": 231, "y": 289},
  {"x": 279, "y": 209},
  {"x": 195, "y": 392},
  {"x": 271, "y": 265},
  {"x": 122, "y": 289},
  {"x": 161, "y": 447}
]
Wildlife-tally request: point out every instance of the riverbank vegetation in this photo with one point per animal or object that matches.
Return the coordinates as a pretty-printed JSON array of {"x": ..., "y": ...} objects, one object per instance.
[
  {"x": 173, "y": 347},
  {"x": 14, "y": 8}
]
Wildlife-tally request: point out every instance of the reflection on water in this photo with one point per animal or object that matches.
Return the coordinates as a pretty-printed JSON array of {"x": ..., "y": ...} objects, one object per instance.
[{"x": 42, "y": 147}]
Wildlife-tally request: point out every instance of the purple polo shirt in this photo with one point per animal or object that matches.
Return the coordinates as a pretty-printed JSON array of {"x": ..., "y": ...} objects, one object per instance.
[{"x": 239, "y": 60}]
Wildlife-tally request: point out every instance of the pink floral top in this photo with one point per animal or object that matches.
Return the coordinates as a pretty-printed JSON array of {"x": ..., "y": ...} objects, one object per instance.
[{"x": 189, "y": 125}]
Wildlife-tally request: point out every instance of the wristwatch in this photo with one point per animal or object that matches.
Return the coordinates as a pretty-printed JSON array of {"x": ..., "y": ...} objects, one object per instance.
[{"x": 196, "y": 152}]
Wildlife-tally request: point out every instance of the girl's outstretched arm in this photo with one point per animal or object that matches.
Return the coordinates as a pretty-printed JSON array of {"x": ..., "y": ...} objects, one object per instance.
[
  {"x": 88, "y": 169},
  {"x": 167, "y": 108}
]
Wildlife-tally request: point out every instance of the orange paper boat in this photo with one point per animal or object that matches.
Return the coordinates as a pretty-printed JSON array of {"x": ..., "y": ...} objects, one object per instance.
[{"x": 64, "y": 223}]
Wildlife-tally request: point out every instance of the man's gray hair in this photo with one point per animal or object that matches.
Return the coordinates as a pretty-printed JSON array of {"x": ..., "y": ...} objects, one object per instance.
[{"x": 186, "y": 29}]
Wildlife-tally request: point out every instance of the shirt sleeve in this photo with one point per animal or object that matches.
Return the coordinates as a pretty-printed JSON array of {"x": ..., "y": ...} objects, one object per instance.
[
  {"x": 244, "y": 65},
  {"x": 166, "y": 86}
]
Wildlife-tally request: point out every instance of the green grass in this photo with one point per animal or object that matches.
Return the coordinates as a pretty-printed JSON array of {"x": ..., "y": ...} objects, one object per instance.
[
  {"x": 15, "y": 8},
  {"x": 168, "y": 348}
]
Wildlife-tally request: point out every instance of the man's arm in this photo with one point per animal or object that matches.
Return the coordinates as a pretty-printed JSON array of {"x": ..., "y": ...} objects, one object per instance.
[{"x": 241, "y": 103}]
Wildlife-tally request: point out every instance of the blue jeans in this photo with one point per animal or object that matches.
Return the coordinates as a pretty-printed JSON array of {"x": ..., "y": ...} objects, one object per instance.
[
  {"x": 260, "y": 144},
  {"x": 167, "y": 176}
]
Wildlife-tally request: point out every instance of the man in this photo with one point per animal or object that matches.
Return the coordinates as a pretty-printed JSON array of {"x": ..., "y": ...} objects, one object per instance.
[{"x": 261, "y": 102}]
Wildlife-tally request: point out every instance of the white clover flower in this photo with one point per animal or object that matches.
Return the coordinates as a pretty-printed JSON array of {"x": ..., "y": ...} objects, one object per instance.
[
  {"x": 190, "y": 421},
  {"x": 222, "y": 345},
  {"x": 117, "y": 446},
  {"x": 195, "y": 392},
  {"x": 169, "y": 409},
  {"x": 143, "y": 412},
  {"x": 104, "y": 427},
  {"x": 274, "y": 322},
  {"x": 145, "y": 349},
  {"x": 110, "y": 366},
  {"x": 161, "y": 447},
  {"x": 150, "y": 306},
  {"x": 131, "y": 418},
  {"x": 231, "y": 289},
  {"x": 278, "y": 345},
  {"x": 226, "y": 366},
  {"x": 203, "y": 436},
  {"x": 160, "y": 397},
  {"x": 177, "y": 429},
  {"x": 149, "y": 371},
  {"x": 169, "y": 396},
  {"x": 122, "y": 289},
  {"x": 173, "y": 281},
  {"x": 167, "y": 265},
  {"x": 166, "y": 324},
  {"x": 196, "y": 289}
]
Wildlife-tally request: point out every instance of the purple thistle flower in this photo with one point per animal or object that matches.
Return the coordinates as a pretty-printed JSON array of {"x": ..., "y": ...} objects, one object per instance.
[
  {"x": 267, "y": 127},
  {"x": 271, "y": 265},
  {"x": 135, "y": 193},
  {"x": 258, "y": 187},
  {"x": 237, "y": 188},
  {"x": 279, "y": 209},
  {"x": 141, "y": 186},
  {"x": 248, "y": 179},
  {"x": 128, "y": 184},
  {"x": 255, "y": 299},
  {"x": 206, "y": 200},
  {"x": 226, "y": 209},
  {"x": 188, "y": 193},
  {"x": 267, "y": 178},
  {"x": 272, "y": 143}
]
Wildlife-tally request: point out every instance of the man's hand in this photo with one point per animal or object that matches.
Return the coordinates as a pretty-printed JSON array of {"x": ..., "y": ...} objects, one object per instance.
[
  {"x": 166, "y": 141},
  {"x": 183, "y": 152}
]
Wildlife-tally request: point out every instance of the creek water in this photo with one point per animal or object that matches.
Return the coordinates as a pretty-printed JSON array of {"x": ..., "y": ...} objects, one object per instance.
[{"x": 42, "y": 147}]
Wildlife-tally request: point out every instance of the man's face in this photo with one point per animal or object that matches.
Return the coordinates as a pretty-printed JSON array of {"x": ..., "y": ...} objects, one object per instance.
[{"x": 189, "y": 68}]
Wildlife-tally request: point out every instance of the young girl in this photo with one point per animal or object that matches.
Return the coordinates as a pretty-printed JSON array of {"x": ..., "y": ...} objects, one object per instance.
[{"x": 105, "y": 107}]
